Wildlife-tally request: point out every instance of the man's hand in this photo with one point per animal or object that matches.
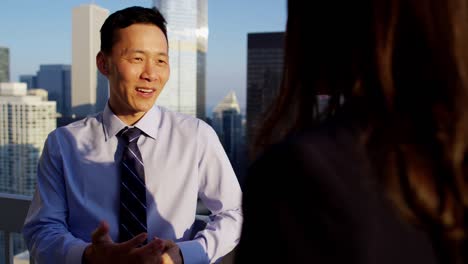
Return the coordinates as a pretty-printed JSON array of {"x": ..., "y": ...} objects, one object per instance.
[
  {"x": 104, "y": 250},
  {"x": 172, "y": 254}
]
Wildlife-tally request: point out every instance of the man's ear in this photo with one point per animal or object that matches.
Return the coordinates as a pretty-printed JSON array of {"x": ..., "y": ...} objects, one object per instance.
[{"x": 101, "y": 63}]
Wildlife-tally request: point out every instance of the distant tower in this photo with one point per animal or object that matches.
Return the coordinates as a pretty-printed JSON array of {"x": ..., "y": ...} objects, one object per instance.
[
  {"x": 227, "y": 122},
  {"x": 4, "y": 64},
  {"x": 229, "y": 102},
  {"x": 187, "y": 26},
  {"x": 30, "y": 80},
  {"x": 264, "y": 73},
  {"x": 89, "y": 87},
  {"x": 25, "y": 122},
  {"x": 55, "y": 79}
]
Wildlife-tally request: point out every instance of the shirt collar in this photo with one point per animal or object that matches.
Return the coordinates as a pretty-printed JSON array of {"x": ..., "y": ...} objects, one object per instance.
[{"x": 149, "y": 123}]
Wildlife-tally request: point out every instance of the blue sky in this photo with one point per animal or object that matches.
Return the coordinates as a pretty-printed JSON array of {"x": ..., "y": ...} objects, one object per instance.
[{"x": 39, "y": 32}]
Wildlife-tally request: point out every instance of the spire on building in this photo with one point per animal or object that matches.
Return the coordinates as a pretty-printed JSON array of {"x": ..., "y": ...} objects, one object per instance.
[{"x": 229, "y": 102}]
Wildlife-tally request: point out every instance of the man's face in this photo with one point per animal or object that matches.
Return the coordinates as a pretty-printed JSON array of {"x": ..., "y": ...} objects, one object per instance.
[{"x": 137, "y": 69}]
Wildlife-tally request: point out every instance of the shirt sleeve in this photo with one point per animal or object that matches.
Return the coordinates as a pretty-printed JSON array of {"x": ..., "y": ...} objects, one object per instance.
[
  {"x": 45, "y": 229},
  {"x": 220, "y": 192}
]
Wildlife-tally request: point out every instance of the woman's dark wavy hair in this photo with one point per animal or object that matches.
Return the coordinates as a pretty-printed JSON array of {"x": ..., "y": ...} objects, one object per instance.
[
  {"x": 127, "y": 17},
  {"x": 401, "y": 68}
]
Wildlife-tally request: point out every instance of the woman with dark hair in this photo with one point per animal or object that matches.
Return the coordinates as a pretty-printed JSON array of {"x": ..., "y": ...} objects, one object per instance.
[{"x": 381, "y": 176}]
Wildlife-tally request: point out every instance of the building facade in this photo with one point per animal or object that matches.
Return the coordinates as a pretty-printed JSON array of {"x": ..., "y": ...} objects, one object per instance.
[
  {"x": 227, "y": 122},
  {"x": 4, "y": 64},
  {"x": 264, "y": 74},
  {"x": 187, "y": 29},
  {"x": 25, "y": 122},
  {"x": 56, "y": 80},
  {"x": 89, "y": 87}
]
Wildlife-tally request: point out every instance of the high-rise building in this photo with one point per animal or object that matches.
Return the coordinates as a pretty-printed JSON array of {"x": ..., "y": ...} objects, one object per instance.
[
  {"x": 55, "y": 79},
  {"x": 87, "y": 84},
  {"x": 25, "y": 122},
  {"x": 4, "y": 64},
  {"x": 264, "y": 74},
  {"x": 187, "y": 29},
  {"x": 29, "y": 79},
  {"x": 229, "y": 102},
  {"x": 227, "y": 122}
]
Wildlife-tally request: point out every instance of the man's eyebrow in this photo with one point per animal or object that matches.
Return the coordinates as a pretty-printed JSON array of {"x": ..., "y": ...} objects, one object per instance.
[{"x": 130, "y": 51}]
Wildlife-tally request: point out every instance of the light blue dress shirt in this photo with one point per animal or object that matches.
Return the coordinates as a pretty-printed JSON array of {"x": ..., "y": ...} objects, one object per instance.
[{"x": 78, "y": 186}]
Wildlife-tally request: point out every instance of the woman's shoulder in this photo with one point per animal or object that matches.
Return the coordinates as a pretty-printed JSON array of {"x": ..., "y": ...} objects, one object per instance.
[
  {"x": 326, "y": 172},
  {"x": 318, "y": 161},
  {"x": 324, "y": 147}
]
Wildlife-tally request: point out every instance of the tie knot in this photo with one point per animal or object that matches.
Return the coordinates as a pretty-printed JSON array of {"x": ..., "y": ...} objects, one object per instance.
[{"x": 130, "y": 134}]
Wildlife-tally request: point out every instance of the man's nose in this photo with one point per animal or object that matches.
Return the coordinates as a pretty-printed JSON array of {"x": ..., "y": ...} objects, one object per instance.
[{"x": 150, "y": 72}]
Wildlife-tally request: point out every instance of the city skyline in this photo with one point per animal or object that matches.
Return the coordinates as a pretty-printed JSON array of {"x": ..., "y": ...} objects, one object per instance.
[{"x": 48, "y": 28}]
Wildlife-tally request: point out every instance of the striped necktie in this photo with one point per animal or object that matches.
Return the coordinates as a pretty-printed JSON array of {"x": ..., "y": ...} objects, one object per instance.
[{"x": 132, "y": 214}]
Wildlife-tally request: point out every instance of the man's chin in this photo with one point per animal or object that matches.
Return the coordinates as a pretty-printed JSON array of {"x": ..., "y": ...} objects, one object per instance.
[
  {"x": 146, "y": 106},
  {"x": 144, "y": 109}
]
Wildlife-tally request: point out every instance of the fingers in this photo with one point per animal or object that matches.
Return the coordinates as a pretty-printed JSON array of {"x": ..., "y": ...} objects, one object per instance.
[
  {"x": 155, "y": 247},
  {"x": 134, "y": 242},
  {"x": 101, "y": 234},
  {"x": 172, "y": 253},
  {"x": 168, "y": 244}
]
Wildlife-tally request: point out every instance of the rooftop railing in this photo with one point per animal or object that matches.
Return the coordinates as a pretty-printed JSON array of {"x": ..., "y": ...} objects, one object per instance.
[{"x": 14, "y": 208}]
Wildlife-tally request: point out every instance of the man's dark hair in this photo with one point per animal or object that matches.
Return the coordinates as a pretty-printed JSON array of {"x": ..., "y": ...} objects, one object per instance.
[{"x": 127, "y": 17}]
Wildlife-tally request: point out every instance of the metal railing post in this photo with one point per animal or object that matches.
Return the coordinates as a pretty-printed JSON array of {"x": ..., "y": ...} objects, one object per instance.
[{"x": 8, "y": 247}]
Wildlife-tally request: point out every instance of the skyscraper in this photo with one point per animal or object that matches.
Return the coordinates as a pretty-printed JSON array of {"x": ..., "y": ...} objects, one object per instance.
[
  {"x": 25, "y": 122},
  {"x": 229, "y": 102},
  {"x": 4, "y": 64},
  {"x": 227, "y": 122},
  {"x": 55, "y": 79},
  {"x": 87, "y": 85},
  {"x": 187, "y": 28},
  {"x": 264, "y": 74}
]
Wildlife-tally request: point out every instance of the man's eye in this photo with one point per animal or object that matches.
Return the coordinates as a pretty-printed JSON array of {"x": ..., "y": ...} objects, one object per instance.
[{"x": 138, "y": 59}]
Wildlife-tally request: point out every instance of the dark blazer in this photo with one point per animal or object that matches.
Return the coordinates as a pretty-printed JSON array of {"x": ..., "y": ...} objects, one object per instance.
[{"x": 311, "y": 199}]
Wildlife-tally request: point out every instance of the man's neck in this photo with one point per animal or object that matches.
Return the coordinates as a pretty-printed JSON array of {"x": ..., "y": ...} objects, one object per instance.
[
  {"x": 131, "y": 119},
  {"x": 128, "y": 118}
]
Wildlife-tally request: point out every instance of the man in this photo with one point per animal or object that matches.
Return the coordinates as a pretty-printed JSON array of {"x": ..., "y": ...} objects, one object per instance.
[{"x": 88, "y": 206}]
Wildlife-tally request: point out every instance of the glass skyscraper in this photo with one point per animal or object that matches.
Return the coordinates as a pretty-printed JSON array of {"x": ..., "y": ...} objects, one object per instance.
[
  {"x": 55, "y": 79},
  {"x": 227, "y": 122},
  {"x": 264, "y": 74},
  {"x": 187, "y": 26}
]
